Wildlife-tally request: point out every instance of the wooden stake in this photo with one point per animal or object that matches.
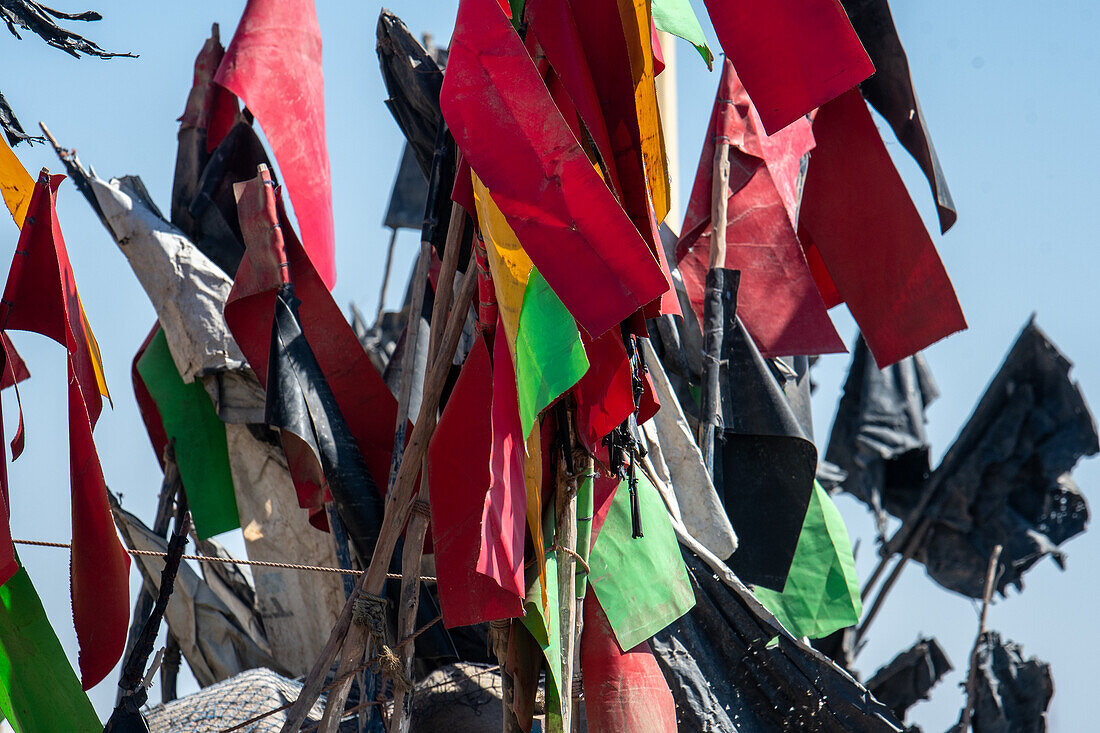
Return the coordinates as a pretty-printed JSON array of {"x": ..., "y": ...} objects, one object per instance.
[
  {"x": 566, "y": 539},
  {"x": 719, "y": 198},
  {"x": 971, "y": 678},
  {"x": 398, "y": 506},
  {"x": 386, "y": 277},
  {"x": 413, "y": 553}
]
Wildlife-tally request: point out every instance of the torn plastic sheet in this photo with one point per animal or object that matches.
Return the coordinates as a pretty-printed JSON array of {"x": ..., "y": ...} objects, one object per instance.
[
  {"x": 858, "y": 221},
  {"x": 890, "y": 91},
  {"x": 273, "y": 63},
  {"x": 186, "y": 289},
  {"x": 409, "y": 195},
  {"x": 733, "y": 669},
  {"x": 213, "y": 641},
  {"x": 1005, "y": 480},
  {"x": 10, "y": 126},
  {"x": 1011, "y": 694},
  {"x": 878, "y": 437},
  {"x": 908, "y": 678}
]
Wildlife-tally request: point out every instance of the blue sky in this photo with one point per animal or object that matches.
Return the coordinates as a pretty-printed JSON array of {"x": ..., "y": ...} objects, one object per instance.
[{"x": 1009, "y": 92}]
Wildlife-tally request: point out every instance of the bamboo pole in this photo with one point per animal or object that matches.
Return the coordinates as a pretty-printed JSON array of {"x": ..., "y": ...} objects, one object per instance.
[
  {"x": 971, "y": 677},
  {"x": 585, "y": 510},
  {"x": 566, "y": 541},
  {"x": 712, "y": 325},
  {"x": 397, "y": 509},
  {"x": 413, "y": 552}
]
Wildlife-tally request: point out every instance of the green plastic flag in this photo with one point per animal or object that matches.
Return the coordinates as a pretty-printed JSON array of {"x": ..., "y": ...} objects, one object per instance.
[
  {"x": 39, "y": 691},
  {"x": 677, "y": 17},
  {"x": 550, "y": 357},
  {"x": 821, "y": 594},
  {"x": 641, "y": 583},
  {"x": 202, "y": 451}
]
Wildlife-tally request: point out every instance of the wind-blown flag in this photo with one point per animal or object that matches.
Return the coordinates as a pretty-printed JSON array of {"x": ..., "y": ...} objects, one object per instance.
[
  {"x": 776, "y": 299},
  {"x": 38, "y": 690},
  {"x": 273, "y": 63},
  {"x": 517, "y": 142},
  {"x": 677, "y": 17},
  {"x": 41, "y": 296},
  {"x": 792, "y": 55},
  {"x": 15, "y": 184},
  {"x": 878, "y": 256}
]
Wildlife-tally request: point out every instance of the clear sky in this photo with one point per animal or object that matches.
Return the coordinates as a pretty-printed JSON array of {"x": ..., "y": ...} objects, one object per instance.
[{"x": 1010, "y": 94}]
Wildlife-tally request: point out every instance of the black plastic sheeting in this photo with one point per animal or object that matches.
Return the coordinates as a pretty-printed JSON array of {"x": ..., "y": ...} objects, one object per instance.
[
  {"x": 210, "y": 219},
  {"x": 413, "y": 80},
  {"x": 766, "y": 473},
  {"x": 908, "y": 677},
  {"x": 890, "y": 91},
  {"x": 9, "y": 123},
  {"x": 728, "y": 676},
  {"x": 1005, "y": 480},
  {"x": 878, "y": 437},
  {"x": 409, "y": 195},
  {"x": 1012, "y": 694},
  {"x": 39, "y": 19}
]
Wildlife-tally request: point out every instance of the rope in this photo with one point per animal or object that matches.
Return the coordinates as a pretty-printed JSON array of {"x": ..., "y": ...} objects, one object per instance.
[
  {"x": 580, "y": 560},
  {"x": 229, "y": 560}
]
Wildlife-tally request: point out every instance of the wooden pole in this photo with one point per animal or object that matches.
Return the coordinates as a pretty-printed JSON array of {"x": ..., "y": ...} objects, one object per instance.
[
  {"x": 712, "y": 326},
  {"x": 971, "y": 678},
  {"x": 911, "y": 548},
  {"x": 566, "y": 541},
  {"x": 585, "y": 509},
  {"x": 398, "y": 506},
  {"x": 412, "y": 554}
]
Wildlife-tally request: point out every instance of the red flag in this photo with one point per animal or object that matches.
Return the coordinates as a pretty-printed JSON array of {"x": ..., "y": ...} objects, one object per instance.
[
  {"x": 777, "y": 298},
  {"x": 274, "y": 64},
  {"x": 857, "y": 212},
  {"x": 605, "y": 394},
  {"x": 791, "y": 55},
  {"x": 459, "y": 480},
  {"x": 623, "y": 690},
  {"x": 519, "y": 145},
  {"x": 364, "y": 400},
  {"x": 41, "y": 296}
]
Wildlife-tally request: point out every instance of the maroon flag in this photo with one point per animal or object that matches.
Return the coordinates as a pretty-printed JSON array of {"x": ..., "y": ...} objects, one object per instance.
[
  {"x": 41, "y": 296},
  {"x": 871, "y": 239}
]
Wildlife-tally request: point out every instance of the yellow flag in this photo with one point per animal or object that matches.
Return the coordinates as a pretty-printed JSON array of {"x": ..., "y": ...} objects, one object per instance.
[
  {"x": 532, "y": 476},
  {"x": 638, "y": 28},
  {"x": 16, "y": 184},
  {"x": 508, "y": 262}
]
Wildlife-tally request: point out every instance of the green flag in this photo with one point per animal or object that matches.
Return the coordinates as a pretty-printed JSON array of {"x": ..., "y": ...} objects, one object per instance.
[
  {"x": 550, "y": 357},
  {"x": 545, "y": 626},
  {"x": 202, "y": 451},
  {"x": 641, "y": 583},
  {"x": 39, "y": 691},
  {"x": 677, "y": 17},
  {"x": 822, "y": 591}
]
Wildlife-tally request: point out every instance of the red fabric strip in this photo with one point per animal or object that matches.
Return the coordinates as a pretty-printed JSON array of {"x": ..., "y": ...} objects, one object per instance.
[
  {"x": 792, "y": 55},
  {"x": 871, "y": 238},
  {"x": 274, "y": 64},
  {"x": 41, "y": 296},
  {"x": 604, "y": 395},
  {"x": 459, "y": 483},
  {"x": 518, "y": 143}
]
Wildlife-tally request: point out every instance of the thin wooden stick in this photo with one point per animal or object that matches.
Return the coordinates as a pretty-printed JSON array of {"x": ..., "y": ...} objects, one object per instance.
[
  {"x": 413, "y": 552},
  {"x": 397, "y": 509},
  {"x": 972, "y": 677},
  {"x": 719, "y": 193},
  {"x": 566, "y": 538},
  {"x": 385, "y": 277},
  {"x": 911, "y": 548}
]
